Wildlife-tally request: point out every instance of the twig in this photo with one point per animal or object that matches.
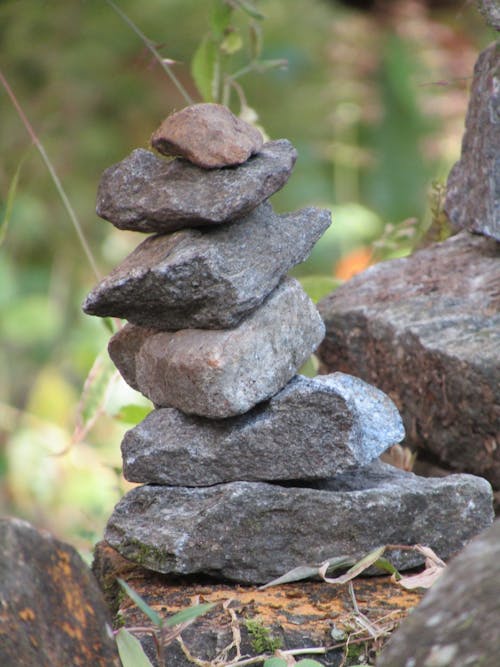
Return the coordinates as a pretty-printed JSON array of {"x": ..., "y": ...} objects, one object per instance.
[
  {"x": 53, "y": 174},
  {"x": 149, "y": 45}
]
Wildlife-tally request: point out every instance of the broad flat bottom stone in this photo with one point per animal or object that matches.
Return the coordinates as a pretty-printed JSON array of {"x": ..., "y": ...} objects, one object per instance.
[{"x": 252, "y": 532}]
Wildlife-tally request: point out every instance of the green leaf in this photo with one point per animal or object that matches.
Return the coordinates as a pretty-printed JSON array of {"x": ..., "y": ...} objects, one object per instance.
[
  {"x": 189, "y": 614},
  {"x": 384, "y": 564},
  {"x": 220, "y": 18},
  {"x": 9, "y": 202},
  {"x": 318, "y": 287},
  {"x": 94, "y": 394},
  {"x": 310, "y": 368},
  {"x": 275, "y": 662},
  {"x": 264, "y": 65},
  {"x": 249, "y": 8},
  {"x": 131, "y": 651},
  {"x": 363, "y": 564},
  {"x": 132, "y": 413},
  {"x": 305, "y": 572},
  {"x": 143, "y": 606},
  {"x": 232, "y": 43},
  {"x": 308, "y": 662},
  {"x": 204, "y": 68},
  {"x": 255, "y": 39}
]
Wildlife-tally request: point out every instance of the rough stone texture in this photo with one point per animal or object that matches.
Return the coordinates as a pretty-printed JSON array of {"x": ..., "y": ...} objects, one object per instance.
[
  {"x": 313, "y": 428},
  {"x": 208, "y": 135},
  {"x": 252, "y": 532},
  {"x": 491, "y": 11},
  {"x": 145, "y": 193},
  {"x": 221, "y": 373},
  {"x": 456, "y": 624},
  {"x": 52, "y": 613},
  {"x": 299, "y": 614},
  {"x": 473, "y": 190},
  {"x": 426, "y": 330},
  {"x": 207, "y": 279}
]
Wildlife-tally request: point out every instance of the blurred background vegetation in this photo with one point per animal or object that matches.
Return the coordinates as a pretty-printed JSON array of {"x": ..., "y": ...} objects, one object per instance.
[{"x": 373, "y": 97}]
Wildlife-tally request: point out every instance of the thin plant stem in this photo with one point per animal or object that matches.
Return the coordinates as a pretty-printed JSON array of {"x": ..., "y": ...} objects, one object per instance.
[
  {"x": 149, "y": 44},
  {"x": 53, "y": 174}
]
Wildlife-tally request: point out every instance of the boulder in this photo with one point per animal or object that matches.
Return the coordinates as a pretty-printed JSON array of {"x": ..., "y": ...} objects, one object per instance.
[
  {"x": 52, "y": 613},
  {"x": 145, "y": 193},
  {"x": 207, "y": 279},
  {"x": 222, "y": 373},
  {"x": 456, "y": 624},
  {"x": 313, "y": 428},
  {"x": 473, "y": 189},
  {"x": 208, "y": 135},
  {"x": 252, "y": 532},
  {"x": 426, "y": 330}
]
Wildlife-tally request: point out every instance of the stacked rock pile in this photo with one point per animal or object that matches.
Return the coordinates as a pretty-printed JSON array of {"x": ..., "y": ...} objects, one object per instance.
[{"x": 248, "y": 469}]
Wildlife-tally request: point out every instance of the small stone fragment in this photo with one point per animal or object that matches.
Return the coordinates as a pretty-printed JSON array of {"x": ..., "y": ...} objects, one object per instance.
[
  {"x": 207, "y": 279},
  {"x": 252, "y": 532},
  {"x": 426, "y": 330},
  {"x": 312, "y": 429},
  {"x": 145, "y": 193},
  {"x": 52, "y": 612},
  {"x": 456, "y": 624},
  {"x": 221, "y": 373},
  {"x": 473, "y": 189},
  {"x": 208, "y": 135},
  {"x": 491, "y": 11}
]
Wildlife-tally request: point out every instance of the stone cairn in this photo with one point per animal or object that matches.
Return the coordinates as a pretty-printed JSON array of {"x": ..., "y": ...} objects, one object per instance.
[{"x": 247, "y": 468}]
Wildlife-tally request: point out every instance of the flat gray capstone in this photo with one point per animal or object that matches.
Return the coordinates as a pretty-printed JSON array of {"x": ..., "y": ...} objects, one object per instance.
[
  {"x": 313, "y": 428},
  {"x": 207, "y": 279},
  {"x": 208, "y": 135},
  {"x": 456, "y": 624},
  {"x": 473, "y": 188},
  {"x": 146, "y": 193},
  {"x": 221, "y": 373},
  {"x": 426, "y": 330},
  {"x": 252, "y": 532}
]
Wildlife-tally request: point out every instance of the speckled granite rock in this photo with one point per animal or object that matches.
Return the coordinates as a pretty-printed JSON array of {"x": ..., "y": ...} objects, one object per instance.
[
  {"x": 221, "y": 373},
  {"x": 207, "y": 135},
  {"x": 313, "y": 428},
  {"x": 146, "y": 193},
  {"x": 207, "y": 279},
  {"x": 491, "y": 12},
  {"x": 252, "y": 532},
  {"x": 473, "y": 189}
]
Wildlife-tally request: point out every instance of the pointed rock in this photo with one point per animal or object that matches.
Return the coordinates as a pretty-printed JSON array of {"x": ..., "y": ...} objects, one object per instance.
[
  {"x": 473, "y": 189},
  {"x": 252, "y": 532},
  {"x": 312, "y": 429},
  {"x": 207, "y": 279},
  {"x": 221, "y": 373},
  {"x": 145, "y": 193},
  {"x": 207, "y": 135}
]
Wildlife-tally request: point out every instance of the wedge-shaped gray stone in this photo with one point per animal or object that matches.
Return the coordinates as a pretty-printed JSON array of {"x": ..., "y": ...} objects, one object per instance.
[
  {"x": 221, "y": 373},
  {"x": 207, "y": 279},
  {"x": 473, "y": 189},
  {"x": 426, "y": 330},
  {"x": 313, "y": 428},
  {"x": 252, "y": 532},
  {"x": 456, "y": 624},
  {"x": 146, "y": 193}
]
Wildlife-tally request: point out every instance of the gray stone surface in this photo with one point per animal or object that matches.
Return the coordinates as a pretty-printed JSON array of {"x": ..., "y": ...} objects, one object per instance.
[
  {"x": 313, "y": 428},
  {"x": 473, "y": 189},
  {"x": 208, "y": 135},
  {"x": 146, "y": 193},
  {"x": 456, "y": 624},
  {"x": 252, "y": 532},
  {"x": 52, "y": 612},
  {"x": 221, "y": 373},
  {"x": 207, "y": 279},
  {"x": 491, "y": 11},
  {"x": 426, "y": 330}
]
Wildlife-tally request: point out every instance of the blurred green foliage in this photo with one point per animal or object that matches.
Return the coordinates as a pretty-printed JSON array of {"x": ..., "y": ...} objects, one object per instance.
[{"x": 359, "y": 100}]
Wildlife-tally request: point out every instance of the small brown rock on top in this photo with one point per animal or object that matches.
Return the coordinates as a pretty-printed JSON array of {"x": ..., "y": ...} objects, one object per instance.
[{"x": 207, "y": 135}]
